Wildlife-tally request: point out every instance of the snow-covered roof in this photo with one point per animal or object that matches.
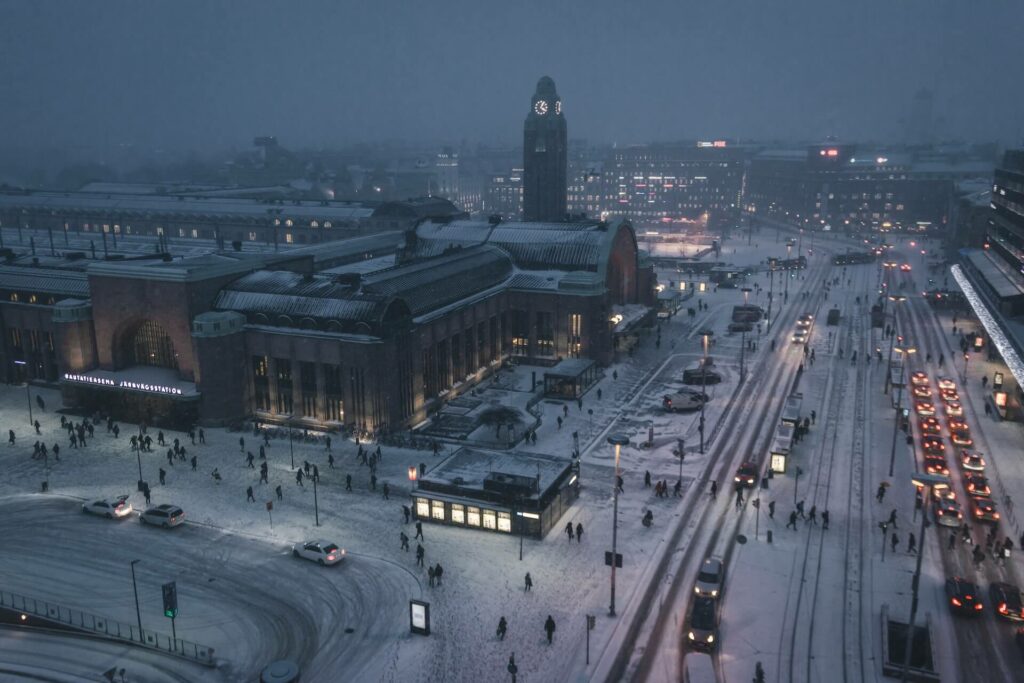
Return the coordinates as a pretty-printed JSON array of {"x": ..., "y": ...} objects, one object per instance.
[
  {"x": 69, "y": 283},
  {"x": 467, "y": 468}
]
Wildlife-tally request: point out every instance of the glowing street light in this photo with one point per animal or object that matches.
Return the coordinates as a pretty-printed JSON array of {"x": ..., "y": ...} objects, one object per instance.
[{"x": 617, "y": 440}]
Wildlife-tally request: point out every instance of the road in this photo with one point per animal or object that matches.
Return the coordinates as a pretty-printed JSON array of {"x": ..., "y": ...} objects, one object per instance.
[{"x": 250, "y": 600}]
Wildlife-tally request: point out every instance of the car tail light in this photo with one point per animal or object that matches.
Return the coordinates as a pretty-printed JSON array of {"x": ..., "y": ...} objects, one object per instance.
[
  {"x": 995, "y": 515},
  {"x": 330, "y": 557},
  {"x": 1002, "y": 608},
  {"x": 957, "y": 602},
  {"x": 977, "y": 606}
]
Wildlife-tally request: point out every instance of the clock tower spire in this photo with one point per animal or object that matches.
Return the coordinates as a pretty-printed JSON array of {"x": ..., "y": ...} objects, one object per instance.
[{"x": 545, "y": 156}]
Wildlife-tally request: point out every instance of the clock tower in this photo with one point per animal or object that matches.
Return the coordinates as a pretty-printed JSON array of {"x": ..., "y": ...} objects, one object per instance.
[{"x": 545, "y": 156}]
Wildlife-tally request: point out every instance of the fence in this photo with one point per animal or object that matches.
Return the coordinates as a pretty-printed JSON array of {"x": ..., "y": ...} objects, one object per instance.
[{"x": 107, "y": 628}]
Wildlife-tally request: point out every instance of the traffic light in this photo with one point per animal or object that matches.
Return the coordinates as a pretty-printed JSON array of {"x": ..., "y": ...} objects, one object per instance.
[{"x": 170, "y": 600}]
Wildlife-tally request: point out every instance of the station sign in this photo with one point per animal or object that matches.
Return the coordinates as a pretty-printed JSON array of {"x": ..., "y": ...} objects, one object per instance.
[{"x": 122, "y": 384}]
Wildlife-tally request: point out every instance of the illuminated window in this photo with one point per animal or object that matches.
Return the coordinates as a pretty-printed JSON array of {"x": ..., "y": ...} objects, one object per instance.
[
  {"x": 575, "y": 332},
  {"x": 504, "y": 522},
  {"x": 288, "y": 222},
  {"x": 151, "y": 345},
  {"x": 472, "y": 516},
  {"x": 195, "y": 233},
  {"x": 14, "y": 296},
  {"x": 490, "y": 520},
  {"x": 437, "y": 509},
  {"x": 422, "y": 508},
  {"x": 458, "y": 514},
  {"x": 288, "y": 237},
  {"x": 32, "y": 298},
  {"x": 252, "y": 237},
  {"x": 327, "y": 224},
  {"x": 159, "y": 230}
]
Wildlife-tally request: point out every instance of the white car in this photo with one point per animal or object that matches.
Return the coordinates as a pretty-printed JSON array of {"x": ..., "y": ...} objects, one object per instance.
[
  {"x": 799, "y": 337},
  {"x": 321, "y": 552},
  {"x": 709, "y": 579},
  {"x": 947, "y": 383},
  {"x": 163, "y": 515},
  {"x": 118, "y": 508}
]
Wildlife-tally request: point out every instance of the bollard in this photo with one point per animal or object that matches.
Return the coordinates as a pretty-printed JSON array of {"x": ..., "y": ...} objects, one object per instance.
[{"x": 769, "y": 535}]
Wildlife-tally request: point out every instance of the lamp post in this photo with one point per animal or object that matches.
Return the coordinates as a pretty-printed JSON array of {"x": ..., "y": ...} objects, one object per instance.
[
  {"x": 926, "y": 481},
  {"x": 789, "y": 251},
  {"x": 966, "y": 359},
  {"x": 771, "y": 292},
  {"x": 704, "y": 333},
  {"x": 617, "y": 440},
  {"x": 28, "y": 392},
  {"x": 291, "y": 447},
  {"x": 135, "y": 589},
  {"x": 899, "y": 401},
  {"x": 316, "y": 503},
  {"x": 743, "y": 339}
]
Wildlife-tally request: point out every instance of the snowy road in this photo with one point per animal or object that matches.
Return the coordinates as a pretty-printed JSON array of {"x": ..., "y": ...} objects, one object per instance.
[{"x": 248, "y": 599}]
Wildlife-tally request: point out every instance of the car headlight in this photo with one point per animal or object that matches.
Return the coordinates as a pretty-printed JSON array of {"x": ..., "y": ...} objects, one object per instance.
[
  {"x": 711, "y": 638},
  {"x": 714, "y": 594},
  {"x": 690, "y": 635},
  {"x": 696, "y": 589}
]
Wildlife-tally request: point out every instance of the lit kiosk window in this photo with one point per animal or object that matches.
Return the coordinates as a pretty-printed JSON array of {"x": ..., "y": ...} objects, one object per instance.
[{"x": 505, "y": 492}]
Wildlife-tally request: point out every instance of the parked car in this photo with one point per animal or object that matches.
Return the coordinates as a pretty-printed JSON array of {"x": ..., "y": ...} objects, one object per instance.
[
  {"x": 963, "y": 597},
  {"x": 709, "y": 578},
  {"x": 675, "y": 403},
  {"x": 116, "y": 508},
  {"x": 163, "y": 515},
  {"x": 321, "y": 552},
  {"x": 703, "y": 629},
  {"x": 1005, "y": 600}
]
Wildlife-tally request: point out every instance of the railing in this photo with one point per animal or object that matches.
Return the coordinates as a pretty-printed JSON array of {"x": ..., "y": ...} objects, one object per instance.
[{"x": 107, "y": 628}]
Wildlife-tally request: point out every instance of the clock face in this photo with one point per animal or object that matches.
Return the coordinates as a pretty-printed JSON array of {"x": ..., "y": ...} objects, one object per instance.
[
  {"x": 558, "y": 106},
  {"x": 541, "y": 107}
]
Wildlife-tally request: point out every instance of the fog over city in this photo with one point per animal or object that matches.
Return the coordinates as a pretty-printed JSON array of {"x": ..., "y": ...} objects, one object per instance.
[{"x": 202, "y": 76}]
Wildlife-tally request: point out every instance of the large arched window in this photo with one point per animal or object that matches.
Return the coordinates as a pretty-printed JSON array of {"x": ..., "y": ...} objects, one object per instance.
[{"x": 150, "y": 345}]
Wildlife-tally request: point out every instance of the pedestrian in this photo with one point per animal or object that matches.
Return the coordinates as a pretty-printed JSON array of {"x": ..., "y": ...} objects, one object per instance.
[
  {"x": 36, "y": 423},
  {"x": 202, "y": 436},
  {"x": 952, "y": 540},
  {"x": 194, "y": 461},
  {"x": 56, "y": 452},
  {"x": 894, "y": 541},
  {"x": 10, "y": 437},
  {"x": 812, "y": 517},
  {"x": 565, "y": 410},
  {"x": 880, "y": 493},
  {"x": 978, "y": 555},
  {"x": 800, "y": 510},
  {"x": 647, "y": 478},
  {"x": 618, "y": 484},
  {"x": 419, "y": 555},
  {"x": 502, "y": 627},
  {"x": 771, "y": 509},
  {"x": 792, "y": 521},
  {"x": 373, "y": 482},
  {"x": 263, "y": 473},
  {"x": 569, "y": 531},
  {"x": 280, "y": 494},
  {"x": 559, "y": 420},
  {"x": 248, "y": 495},
  {"x": 160, "y": 438},
  {"x": 163, "y": 476},
  {"x": 406, "y": 512},
  {"x": 911, "y": 544},
  {"x": 814, "y": 416},
  {"x": 241, "y": 443},
  {"x": 615, "y": 374},
  {"x": 714, "y": 490},
  {"x": 677, "y": 488},
  {"x": 438, "y": 573},
  {"x": 249, "y": 459},
  {"x": 170, "y": 458},
  {"x": 146, "y": 493},
  {"x": 263, "y": 452},
  {"x": 387, "y": 490},
  {"x": 330, "y": 461},
  {"x": 216, "y": 475},
  {"x": 419, "y": 531},
  {"x": 405, "y": 541},
  {"x": 598, "y": 394},
  {"x": 529, "y": 583},
  {"x": 824, "y": 520},
  {"x": 892, "y": 519},
  {"x": 348, "y": 482},
  {"x": 117, "y": 431},
  {"x": 40, "y": 403},
  {"x": 430, "y": 574},
  {"x": 549, "y": 628},
  {"x": 739, "y": 497},
  {"x": 316, "y": 475},
  {"x": 579, "y": 533},
  {"x": 298, "y": 478}
]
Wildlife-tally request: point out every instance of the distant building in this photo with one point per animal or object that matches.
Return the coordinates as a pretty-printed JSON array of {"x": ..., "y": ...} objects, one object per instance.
[
  {"x": 504, "y": 194},
  {"x": 545, "y": 156}
]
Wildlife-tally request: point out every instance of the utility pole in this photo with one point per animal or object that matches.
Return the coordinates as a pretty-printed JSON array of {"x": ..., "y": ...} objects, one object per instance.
[
  {"x": 135, "y": 589},
  {"x": 618, "y": 441}
]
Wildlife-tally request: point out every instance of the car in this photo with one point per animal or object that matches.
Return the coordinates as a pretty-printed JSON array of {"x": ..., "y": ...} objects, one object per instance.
[
  {"x": 905, "y": 267},
  {"x": 924, "y": 408},
  {"x": 973, "y": 462},
  {"x": 746, "y": 475},
  {"x": 703, "y": 629},
  {"x": 957, "y": 425},
  {"x": 116, "y": 508},
  {"x": 1005, "y": 600},
  {"x": 947, "y": 512},
  {"x": 919, "y": 379},
  {"x": 929, "y": 425},
  {"x": 932, "y": 445},
  {"x": 321, "y": 552},
  {"x": 984, "y": 510},
  {"x": 936, "y": 464},
  {"x": 675, "y": 403},
  {"x": 805, "y": 320},
  {"x": 977, "y": 485},
  {"x": 709, "y": 578},
  {"x": 163, "y": 515},
  {"x": 947, "y": 383},
  {"x": 942, "y": 492},
  {"x": 799, "y": 337},
  {"x": 922, "y": 392},
  {"x": 949, "y": 395},
  {"x": 963, "y": 596},
  {"x": 954, "y": 409},
  {"x": 961, "y": 438}
]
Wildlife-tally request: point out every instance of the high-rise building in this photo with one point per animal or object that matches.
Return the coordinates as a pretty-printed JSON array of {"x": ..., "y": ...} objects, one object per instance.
[{"x": 545, "y": 156}]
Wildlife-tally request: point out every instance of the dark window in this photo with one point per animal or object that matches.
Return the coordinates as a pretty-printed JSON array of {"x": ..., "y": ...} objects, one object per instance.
[
  {"x": 284, "y": 386},
  {"x": 458, "y": 371},
  {"x": 332, "y": 388},
  {"x": 519, "y": 330},
  {"x": 261, "y": 383},
  {"x": 152, "y": 346},
  {"x": 307, "y": 379},
  {"x": 545, "y": 334}
]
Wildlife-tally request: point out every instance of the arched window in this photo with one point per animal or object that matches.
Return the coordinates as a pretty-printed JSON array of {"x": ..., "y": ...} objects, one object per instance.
[{"x": 150, "y": 345}]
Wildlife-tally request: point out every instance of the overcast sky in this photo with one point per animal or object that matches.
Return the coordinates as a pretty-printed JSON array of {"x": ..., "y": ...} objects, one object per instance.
[{"x": 212, "y": 74}]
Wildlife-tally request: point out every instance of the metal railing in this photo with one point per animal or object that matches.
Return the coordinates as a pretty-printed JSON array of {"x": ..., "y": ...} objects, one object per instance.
[{"x": 106, "y": 628}]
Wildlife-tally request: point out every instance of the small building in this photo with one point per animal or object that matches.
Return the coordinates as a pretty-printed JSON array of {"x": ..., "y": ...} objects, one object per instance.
[
  {"x": 507, "y": 492},
  {"x": 570, "y": 378}
]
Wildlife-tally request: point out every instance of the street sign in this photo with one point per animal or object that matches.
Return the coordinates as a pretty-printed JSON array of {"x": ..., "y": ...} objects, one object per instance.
[
  {"x": 608, "y": 559},
  {"x": 270, "y": 505},
  {"x": 419, "y": 617},
  {"x": 591, "y": 621},
  {"x": 170, "y": 600}
]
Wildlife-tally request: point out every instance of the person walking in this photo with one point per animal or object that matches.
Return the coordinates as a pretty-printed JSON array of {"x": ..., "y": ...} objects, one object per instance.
[
  {"x": 800, "y": 510},
  {"x": 146, "y": 493},
  {"x": 277, "y": 490},
  {"x": 348, "y": 482},
  {"x": 298, "y": 478},
  {"x": 647, "y": 479},
  {"x": 618, "y": 484},
  {"x": 739, "y": 497},
  {"x": 502, "y": 627},
  {"x": 714, "y": 490},
  {"x": 438, "y": 573},
  {"x": 812, "y": 517},
  {"x": 406, "y": 512},
  {"x": 249, "y": 458},
  {"x": 170, "y": 458},
  {"x": 894, "y": 541},
  {"x": 263, "y": 473},
  {"x": 194, "y": 462},
  {"x": 162, "y": 473},
  {"x": 771, "y": 509},
  {"x": 549, "y": 628},
  {"x": 248, "y": 495},
  {"x": 216, "y": 475},
  {"x": 419, "y": 555},
  {"x": 202, "y": 436},
  {"x": 316, "y": 474},
  {"x": 677, "y": 489},
  {"x": 792, "y": 521},
  {"x": 529, "y": 582},
  {"x": 824, "y": 520},
  {"x": 880, "y": 493},
  {"x": 330, "y": 460},
  {"x": 405, "y": 541},
  {"x": 419, "y": 531},
  {"x": 387, "y": 490},
  {"x": 579, "y": 533},
  {"x": 430, "y": 574},
  {"x": 911, "y": 544},
  {"x": 892, "y": 519},
  {"x": 10, "y": 437},
  {"x": 241, "y": 443},
  {"x": 373, "y": 482}
]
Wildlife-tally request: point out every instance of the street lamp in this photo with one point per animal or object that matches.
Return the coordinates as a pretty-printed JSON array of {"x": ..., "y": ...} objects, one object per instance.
[
  {"x": 967, "y": 358},
  {"x": 28, "y": 393},
  {"x": 135, "y": 589},
  {"x": 743, "y": 338},
  {"x": 771, "y": 292},
  {"x": 899, "y": 400},
  {"x": 617, "y": 440},
  {"x": 789, "y": 250},
  {"x": 927, "y": 482}
]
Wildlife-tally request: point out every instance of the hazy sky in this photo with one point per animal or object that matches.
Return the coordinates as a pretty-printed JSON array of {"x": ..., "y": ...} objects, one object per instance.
[{"x": 209, "y": 74}]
